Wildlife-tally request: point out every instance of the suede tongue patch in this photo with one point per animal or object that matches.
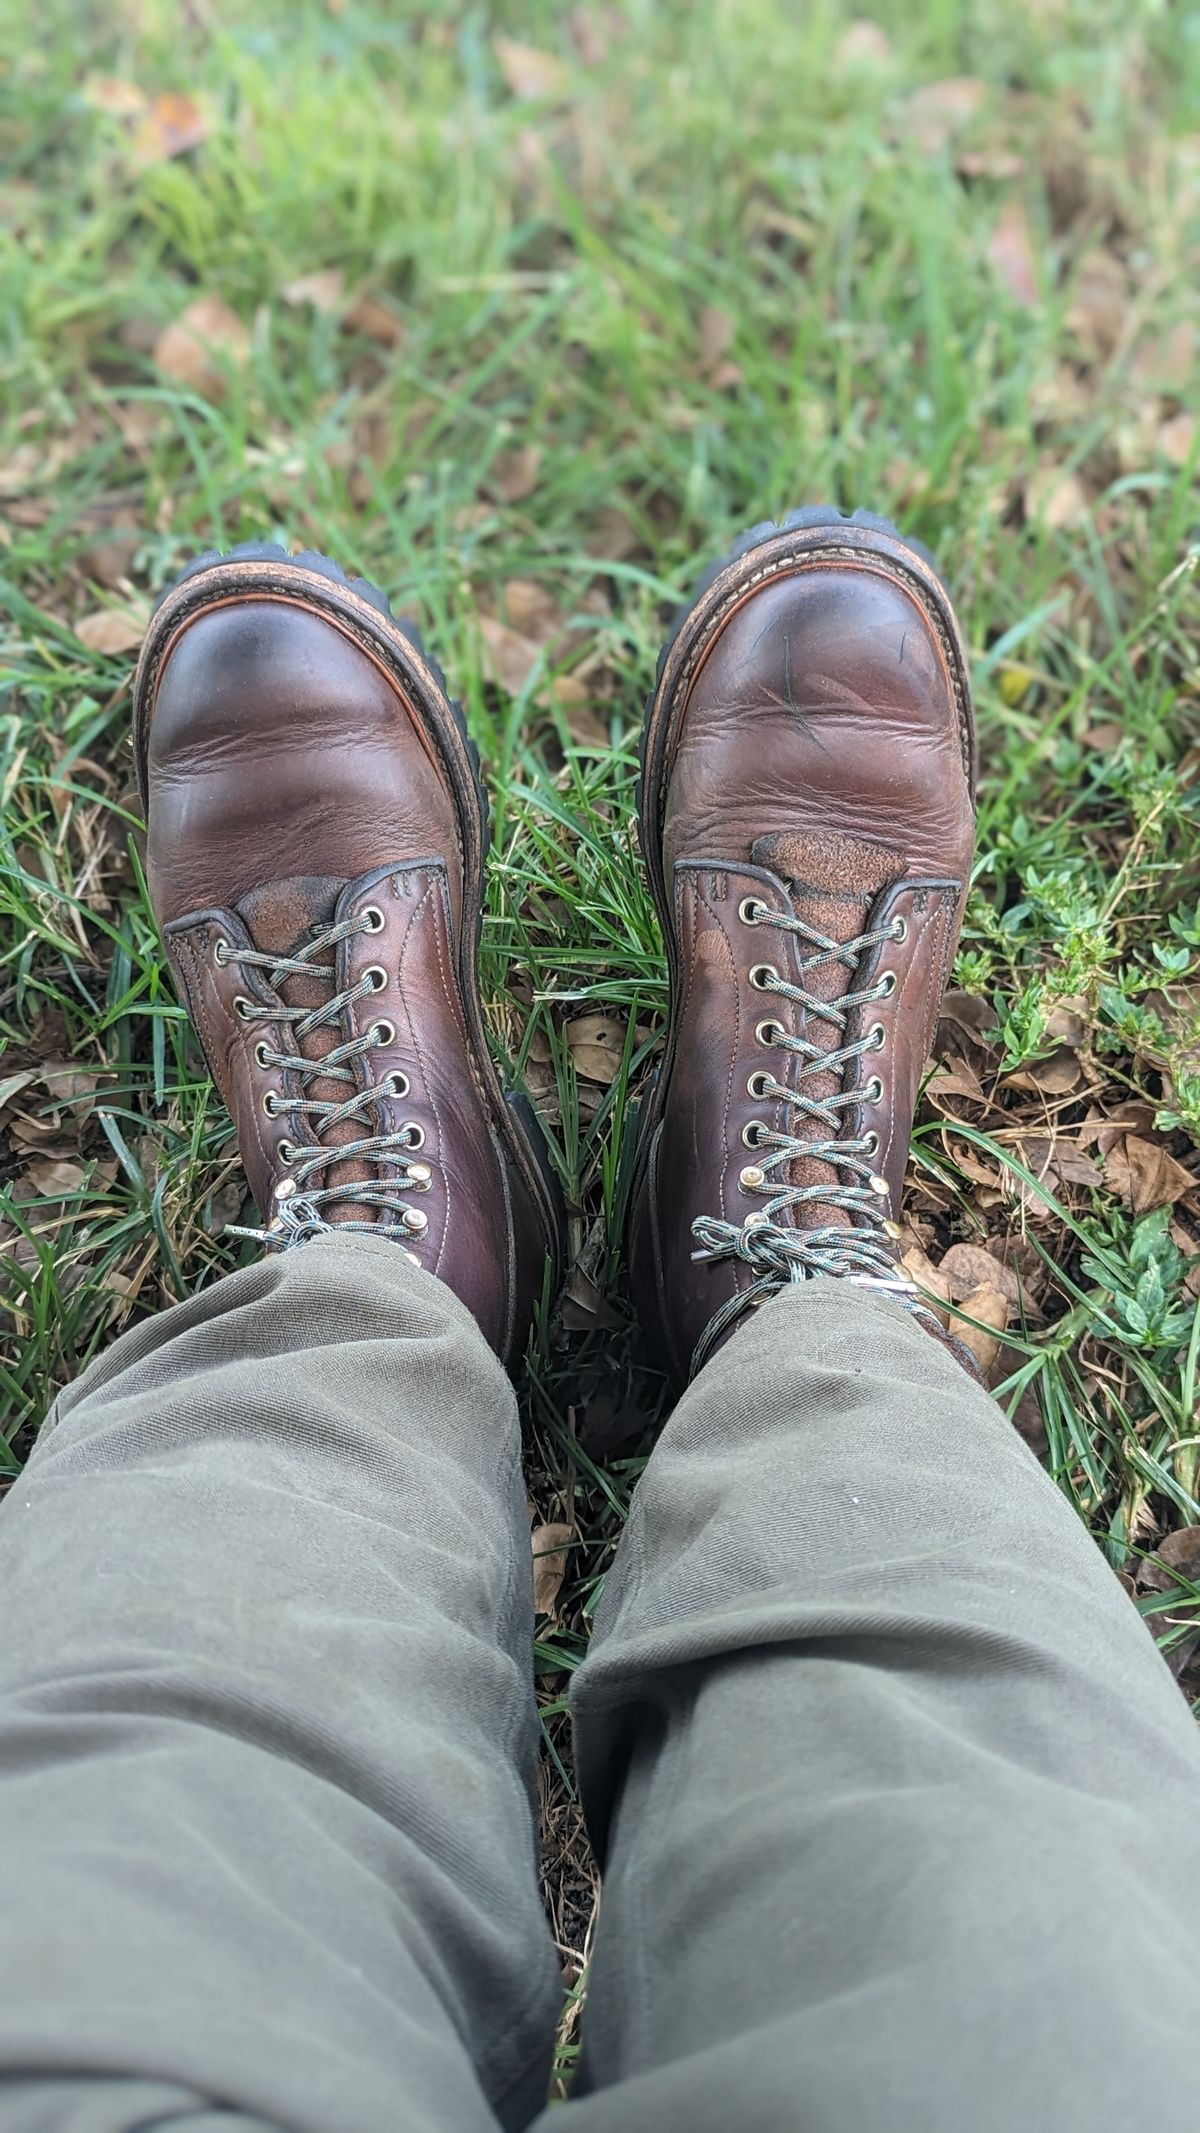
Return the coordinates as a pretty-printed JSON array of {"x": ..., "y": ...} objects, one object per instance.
[
  {"x": 857, "y": 867},
  {"x": 833, "y": 881},
  {"x": 280, "y": 913}
]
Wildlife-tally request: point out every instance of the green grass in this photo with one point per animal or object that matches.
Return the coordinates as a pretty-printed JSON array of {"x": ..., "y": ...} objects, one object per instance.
[{"x": 722, "y": 270}]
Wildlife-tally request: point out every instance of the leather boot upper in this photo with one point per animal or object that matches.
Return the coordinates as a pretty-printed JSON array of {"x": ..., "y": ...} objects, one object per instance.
[
  {"x": 306, "y": 865},
  {"x": 809, "y": 809}
]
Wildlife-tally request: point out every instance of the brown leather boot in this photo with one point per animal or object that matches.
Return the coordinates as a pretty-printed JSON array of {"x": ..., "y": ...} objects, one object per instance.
[
  {"x": 317, "y": 833},
  {"x": 807, "y": 821}
]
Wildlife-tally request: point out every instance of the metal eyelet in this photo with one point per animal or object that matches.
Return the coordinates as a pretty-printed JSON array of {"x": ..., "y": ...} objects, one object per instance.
[
  {"x": 873, "y": 1090},
  {"x": 751, "y": 910},
  {"x": 876, "y": 1037},
  {"x": 371, "y": 919},
  {"x": 287, "y": 1152},
  {"x": 871, "y": 1143},
  {"x": 243, "y": 1007},
  {"x": 269, "y": 1104},
  {"x": 776, "y": 1029},
  {"x": 761, "y": 975},
  {"x": 222, "y": 952},
  {"x": 414, "y": 1135},
  {"x": 899, "y": 929},
  {"x": 751, "y": 1134},
  {"x": 384, "y": 1033},
  {"x": 262, "y": 1054},
  {"x": 886, "y": 983},
  {"x": 396, "y": 1084},
  {"x": 759, "y": 1084},
  {"x": 378, "y": 976}
]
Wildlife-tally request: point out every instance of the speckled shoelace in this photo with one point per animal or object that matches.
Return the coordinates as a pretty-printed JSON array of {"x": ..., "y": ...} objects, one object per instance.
[
  {"x": 861, "y": 1250},
  {"x": 300, "y": 1198}
]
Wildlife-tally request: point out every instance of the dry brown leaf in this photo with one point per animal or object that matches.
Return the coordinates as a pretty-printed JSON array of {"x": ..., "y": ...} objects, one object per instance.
[
  {"x": 20, "y": 469},
  {"x": 1028, "y": 1421},
  {"x": 1167, "y": 362},
  {"x": 109, "y": 558},
  {"x": 1177, "y": 439},
  {"x": 26, "y": 1131},
  {"x": 325, "y": 291},
  {"x": 1054, "y": 1076},
  {"x": 985, "y": 1303},
  {"x": 528, "y": 70},
  {"x": 514, "y": 475},
  {"x": 998, "y": 163},
  {"x": 955, "y": 1077},
  {"x": 173, "y": 124},
  {"x": 107, "y": 92},
  {"x": 1066, "y": 1021},
  {"x": 1145, "y": 1175},
  {"x": 570, "y": 692},
  {"x": 612, "y": 538},
  {"x": 1102, "y": 1129},
  {"x": 934, "y": 114},
  {"x": 970, "y": 1013},
  {"x": 113, "y": 629},
  {"x": 1176, "y": 1560},
  {"x": 716, "y": 336},
  {"x": 508, "y": 658},
  {"x": 550, "y": 1545},
  {"x": 592, "y": 30},
  {"x": 1098, "y": 313},
  {"x": 973, "y": 1166},
  {"x": 1056, "y": 1163},
  {"x": 862, "y": 44},
  {"x": 376, "y": 320},
  {"x": 222, "y": 1206},
  {"x": 12, "y": 1084},
  {"x": 584, "y": 1308},
  {"x": 968, "y": 1267},
  {"x": 915, "y": 1263},
  {"x": 1012, "y": 256},
  {"x": 583, "y": 722},
  {"x": 70, "y": 1084},
  {"x": 532, "y": 609},
  {"x": 140, "y": 422},
  {"x": 53, "y": 1175},
  {"x": 597, "y": 1046},
  {"x": 1056, "y": 498},
  {"x": 1105, "y": 737},
  {"x": 201, "y": 343}
]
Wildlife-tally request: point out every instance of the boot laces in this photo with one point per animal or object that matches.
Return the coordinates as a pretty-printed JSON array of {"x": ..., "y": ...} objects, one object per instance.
[
  {"x": 301, "y": 1198},
  {"x": 861, "y": 1250}
]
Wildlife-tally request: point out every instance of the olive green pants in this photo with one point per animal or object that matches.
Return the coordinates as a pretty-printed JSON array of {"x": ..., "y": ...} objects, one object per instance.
[{"x": 898, "y": 1809}]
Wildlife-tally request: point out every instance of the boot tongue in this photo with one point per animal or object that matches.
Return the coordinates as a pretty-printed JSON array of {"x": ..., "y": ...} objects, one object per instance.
[
  {"x": 833, "y": 882},
  {"x": 280, "y": 915},
  {"x": 282, "y": 918}
]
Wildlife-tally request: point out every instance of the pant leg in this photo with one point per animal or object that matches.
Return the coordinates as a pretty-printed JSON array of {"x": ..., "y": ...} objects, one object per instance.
[
  {"x": 898, "y": 1807},
  {"x": 266, "y": 1724}
]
